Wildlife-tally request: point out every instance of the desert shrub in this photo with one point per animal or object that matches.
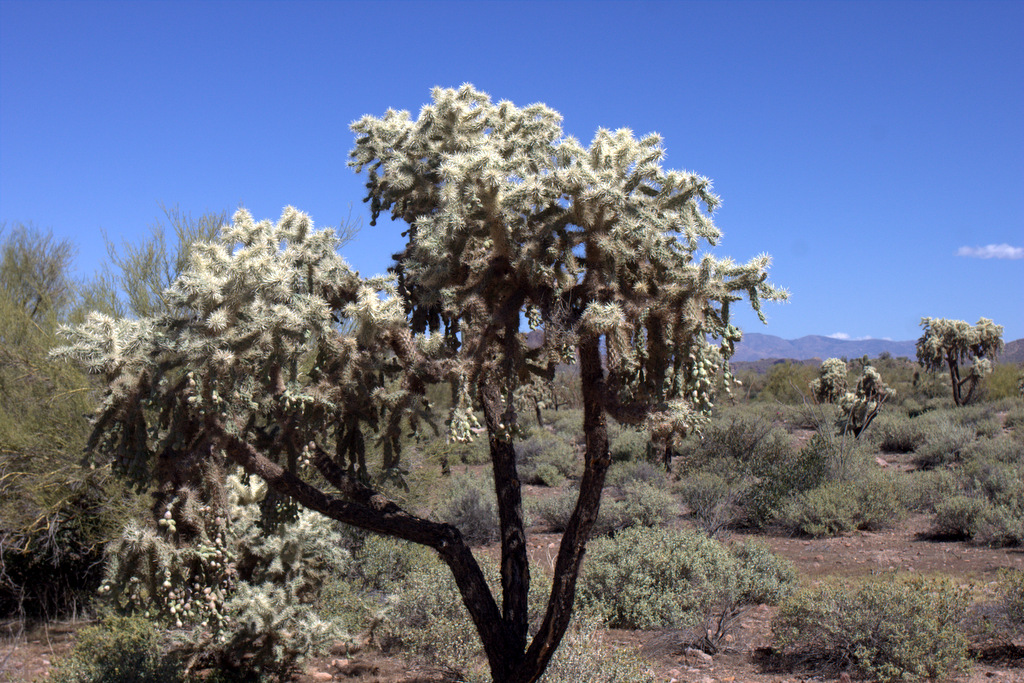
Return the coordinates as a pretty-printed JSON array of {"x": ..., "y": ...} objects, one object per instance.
[
  {"x": 923, "y": 490},
  {"x": 1011, "y": 585},
  {"x": 630, "y": 445},
  {"x": 426, "y": 617},
  {"x": 622, "y": 473},
  {"x": 1001, "y": 525},
  {"x": 646, "y": 504},
  {"x": 737, "y": 438},
  {"x": 998, "y": 449},
  {"x": 945, "y": 443},
  {"x": 642, "y": 504},
  {"x": 546, "y": 459},
  {"x": 960, "y": 517},
  {"x": 779, "y": 475},
  {"x": 661, "y": 578},
  {"x": 583, "y": 656},
  {"x": 446, "y": 452},
  {"x": 896, "y": 433},
  {"x": 713, "y": 501},
  {"x": 118, "y": 650},
  {"x": 823, "y": 511},
  {"x": 1014, "y": 417},
  {"x": 888, "y": 629},
  {"x": 470, "y": 505},
  {"x": 999, "y": 482},
  {"x": 879, "y": 501}
]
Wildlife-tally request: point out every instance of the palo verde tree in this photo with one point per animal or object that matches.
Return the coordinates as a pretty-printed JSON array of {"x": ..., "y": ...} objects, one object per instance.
[
  {"x": 506, "y": 220},
  {"x": 954, "y": 343}
]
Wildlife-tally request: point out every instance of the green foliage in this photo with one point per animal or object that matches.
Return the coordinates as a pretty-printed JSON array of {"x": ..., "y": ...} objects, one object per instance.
[
  {"x": 1011, "y": 584},
  {"x": 823, "y": 511},
  {"x": 784, "y": 382},
  {"x": 960, "y": 517},
  {"x": 871, "y": 503},
  {"x": 713, "y": 501},
  {"x": 55, "y": 517},
  {"x": 470, "y": 506},
  {"x": 661, "y": 578},
  {"x": 643, "y": 504},
  {"x": 946, "y": 442},
  {"x": 888, "y": 629},
  {"x": 630, "y": 445},
  {"x": 583, "y": 656},
  {"x": 118, "y": 650},
  {"x": 950, "y": 344},
  {"x": 426, "y": 617},
  {"x": 547, "y": 459},
  {"x": 896, "y": 433}
]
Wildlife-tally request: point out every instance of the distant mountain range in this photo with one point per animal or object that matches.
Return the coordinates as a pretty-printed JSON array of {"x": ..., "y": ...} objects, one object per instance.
[{"x": 757, "y": 346}]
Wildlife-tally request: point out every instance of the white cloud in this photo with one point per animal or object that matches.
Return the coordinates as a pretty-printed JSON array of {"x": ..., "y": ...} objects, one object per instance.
[
  {"x": 992, "y": 251},
  {"x": 839, "y": 335}
]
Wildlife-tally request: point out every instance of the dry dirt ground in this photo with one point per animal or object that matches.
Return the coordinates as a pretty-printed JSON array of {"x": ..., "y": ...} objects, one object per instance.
[{"x": 26, "y": 657}]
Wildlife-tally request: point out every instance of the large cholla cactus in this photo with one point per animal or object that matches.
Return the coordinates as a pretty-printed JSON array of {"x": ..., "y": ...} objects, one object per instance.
[
  {"x": 241, "y": 599},
  {"x": 507, "y": 219},
  {"x": 954, "y": 343}
]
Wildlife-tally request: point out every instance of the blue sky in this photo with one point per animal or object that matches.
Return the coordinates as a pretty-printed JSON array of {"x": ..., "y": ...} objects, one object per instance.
[{"x": 875, "y": 149}]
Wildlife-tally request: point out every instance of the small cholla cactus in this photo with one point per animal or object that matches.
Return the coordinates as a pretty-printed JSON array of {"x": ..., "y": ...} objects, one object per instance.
[
  {"x": 950, "y": 344},
  {"x": 861, "y": 406},
  {"x": 831, "y": 383}
]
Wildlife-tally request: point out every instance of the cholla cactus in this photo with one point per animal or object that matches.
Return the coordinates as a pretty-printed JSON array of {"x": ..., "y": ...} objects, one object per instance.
[
  {"x": 831, "y": 383},
  {"x": 953, "y": 343},
  {"x": 241, "y": 599},
  {"x": 506, "y": 217},
  {"x": 861, "y": 406}
]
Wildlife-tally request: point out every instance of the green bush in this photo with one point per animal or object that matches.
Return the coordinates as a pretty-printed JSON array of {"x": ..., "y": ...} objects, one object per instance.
[
  {"x": 896, "y": 433},
  {"x": 824, "y": 511},
  {"x": 879, "y": 501},
  {"x": 713, "y": 501},
  {"x": 583, "y": 656},
  {"x": 923, "y": 490},
  {"x": 630, "y": 445},
  {"x": 426, "y": 617},
  {"x": 646, "y": 504},
  {"x": 118, "y": 650},
  {"x": 661, "y": 578},
  {"x": 946, "y": 443},
  {"x": 546, "y": 459},
  {"x": 470, "y": 505},
  {"x": 1011, "y": 585},
  {"x": 960, "y": 517},
  {"x": 621, "y": 474},
  {"x": 888, "y": 629}
]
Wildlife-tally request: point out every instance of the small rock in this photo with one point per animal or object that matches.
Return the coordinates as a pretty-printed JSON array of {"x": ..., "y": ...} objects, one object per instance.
[
  {"x": 699, "y": 655},
  {"x": 321, "y": 676},
  {"x": 819, "y": 558},
  {"x": 340, "y": 663}
]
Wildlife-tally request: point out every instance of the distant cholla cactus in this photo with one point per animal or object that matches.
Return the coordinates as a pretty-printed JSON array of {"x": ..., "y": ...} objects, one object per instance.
[
  {"x": 861, "y": 406},
  {"x": 950, "y": 344},
  {"x": 831, "y": 383}
]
